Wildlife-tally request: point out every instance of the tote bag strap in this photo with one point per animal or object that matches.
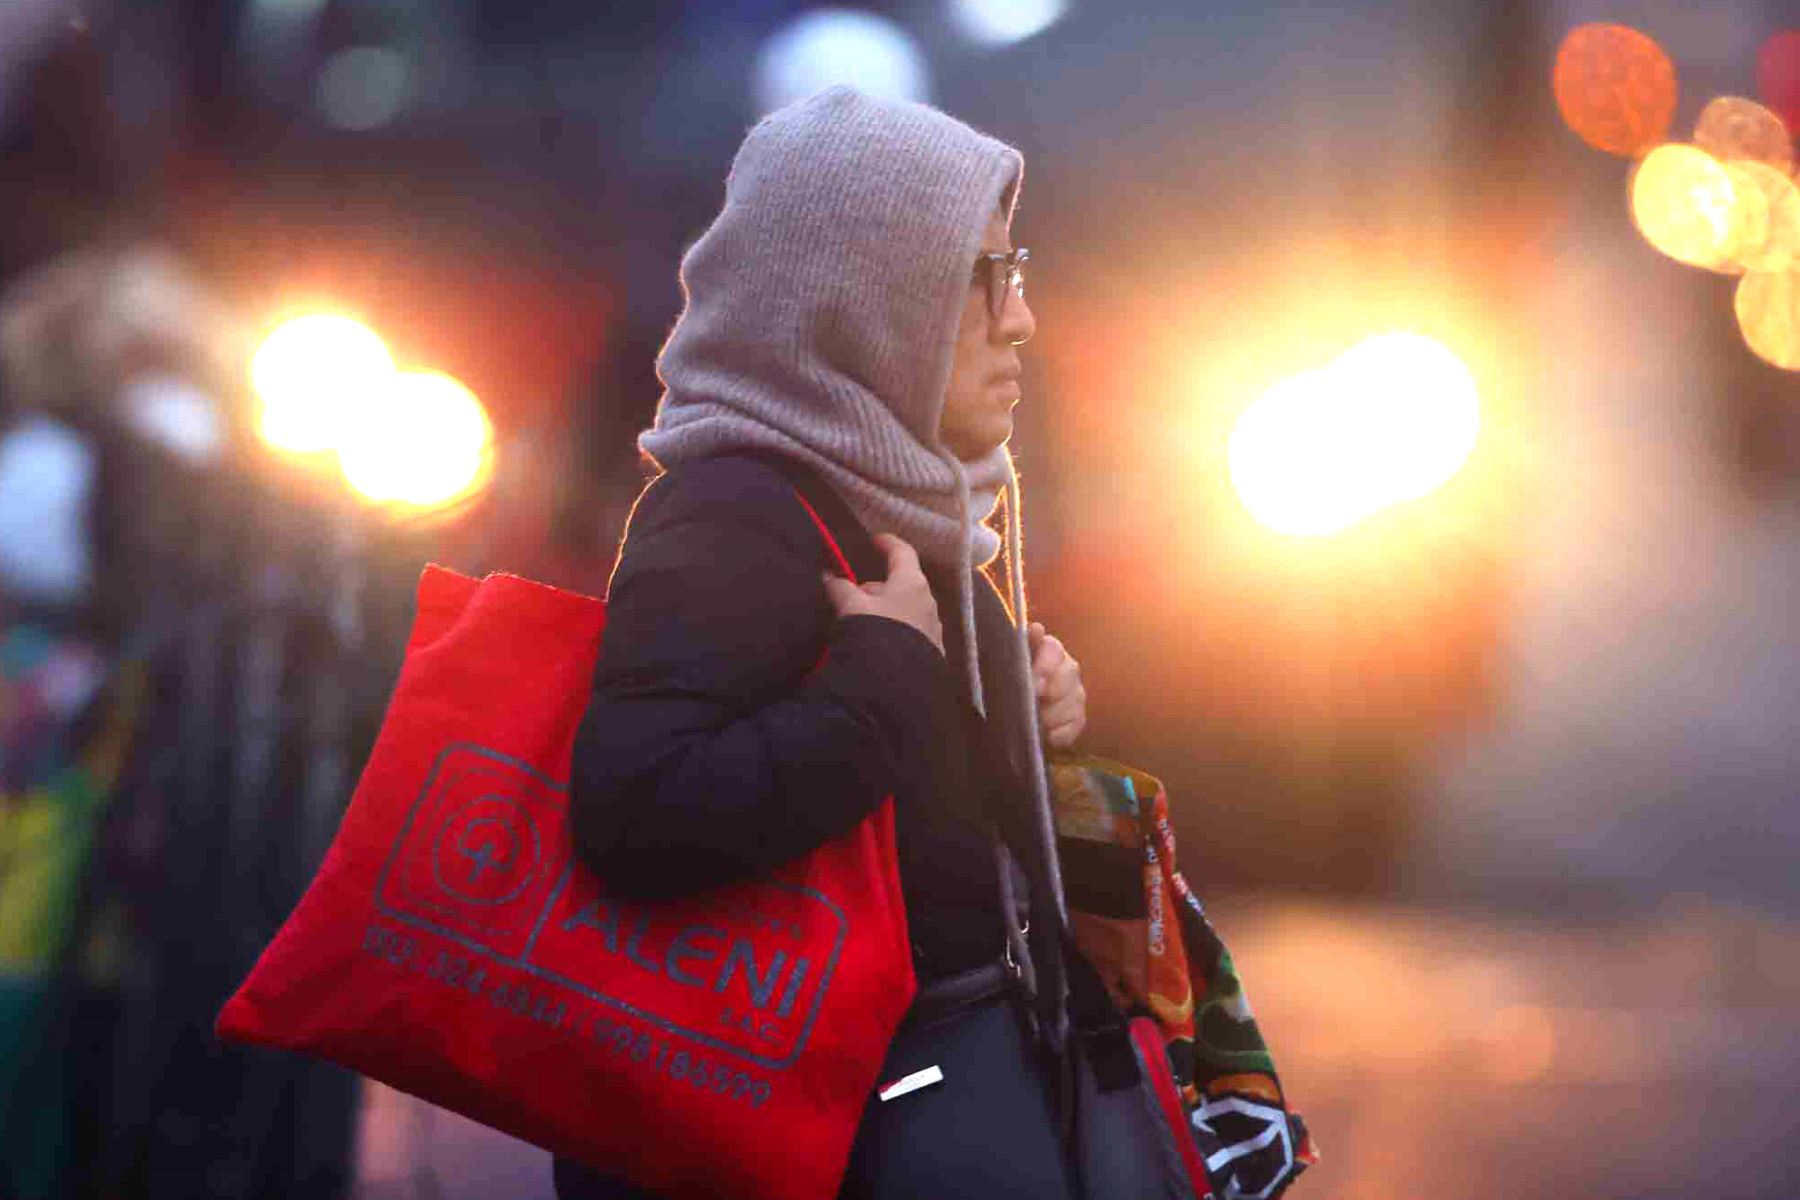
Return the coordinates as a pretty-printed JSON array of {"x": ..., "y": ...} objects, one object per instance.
[
  {"x": 837, "y": 553},
  {"x": 1018, "y": 965}
]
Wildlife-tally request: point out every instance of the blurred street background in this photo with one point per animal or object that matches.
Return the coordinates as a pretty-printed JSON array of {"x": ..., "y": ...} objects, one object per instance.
[{"x": 1412, "y": 450}]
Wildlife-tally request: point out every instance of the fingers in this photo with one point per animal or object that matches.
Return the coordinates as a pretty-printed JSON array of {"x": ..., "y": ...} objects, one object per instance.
[
  {"x": 1063, "y": 718},
  {"x": 1061, "y": 696},
  {"x": 1067, "y": 709},
  {"x": 1049, "y": 659},
  {"x": 845, "y": 596},
  {"x": 905, "y": 595},
  {"x": 901, "y": 557},
  {"x": 1063, "y": 736}
]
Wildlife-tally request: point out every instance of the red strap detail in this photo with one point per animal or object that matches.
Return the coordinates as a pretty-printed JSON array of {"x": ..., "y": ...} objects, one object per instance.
[
  {"x": 1154, "y": 1055},
  {"x": 843, "y": 563}
]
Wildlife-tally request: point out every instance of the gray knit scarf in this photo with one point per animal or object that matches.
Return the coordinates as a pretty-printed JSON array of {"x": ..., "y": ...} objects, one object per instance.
[{"x": 821, "y": 314}]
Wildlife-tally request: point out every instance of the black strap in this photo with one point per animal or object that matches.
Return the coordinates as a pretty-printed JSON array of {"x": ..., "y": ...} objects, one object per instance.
[
  {"x": 1098, "y": 1026},
  {"x": 953, "y": 993}
]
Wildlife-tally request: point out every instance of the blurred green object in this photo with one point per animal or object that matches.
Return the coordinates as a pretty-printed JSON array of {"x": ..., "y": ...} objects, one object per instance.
[{"x": 47, "y": 836}]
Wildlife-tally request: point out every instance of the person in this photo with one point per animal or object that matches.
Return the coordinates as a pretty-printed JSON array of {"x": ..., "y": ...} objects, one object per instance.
[{"x": 851, "y": 335}]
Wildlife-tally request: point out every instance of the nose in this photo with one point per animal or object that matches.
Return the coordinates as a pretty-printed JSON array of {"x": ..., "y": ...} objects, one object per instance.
[{"x": 1017, "y": 322}]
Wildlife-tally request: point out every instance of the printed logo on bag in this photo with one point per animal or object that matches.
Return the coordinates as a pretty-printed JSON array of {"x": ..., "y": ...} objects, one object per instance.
[
  {"x": 746, "y": 978},
  {"x": 482, "y": 861},
  {"x": 474, "y": 861}
]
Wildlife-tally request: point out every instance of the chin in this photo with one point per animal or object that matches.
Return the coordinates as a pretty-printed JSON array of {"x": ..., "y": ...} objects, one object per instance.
[{"x": 978, "y": 448}]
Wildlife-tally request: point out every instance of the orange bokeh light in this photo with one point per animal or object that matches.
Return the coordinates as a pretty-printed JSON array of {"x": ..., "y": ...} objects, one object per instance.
[
  {"x": 1615, "y": 87},
  {"x": 1734, "y": 129}
]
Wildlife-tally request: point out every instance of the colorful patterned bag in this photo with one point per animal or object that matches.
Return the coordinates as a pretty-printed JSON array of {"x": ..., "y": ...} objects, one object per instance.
[{"x": 1146, "y": 934}]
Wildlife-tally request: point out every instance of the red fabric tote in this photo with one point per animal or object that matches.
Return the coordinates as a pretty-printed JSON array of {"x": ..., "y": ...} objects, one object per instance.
[{"x": 449, "y": 946}]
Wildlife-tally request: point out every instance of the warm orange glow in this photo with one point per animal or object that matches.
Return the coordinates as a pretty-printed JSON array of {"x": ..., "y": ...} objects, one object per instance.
[
  {"x": 1768, "y": 315},
  {"x": 1683, "y": 202},
  {"x": 1521, "y": 1043},
  {"x": 1732, "y": 128},
  {"x": 310, "y": 374},
  {"x": 1615, "y": 87},
  {"x": 1388, "y": 421},
  {"x": 421, "y": 442}
]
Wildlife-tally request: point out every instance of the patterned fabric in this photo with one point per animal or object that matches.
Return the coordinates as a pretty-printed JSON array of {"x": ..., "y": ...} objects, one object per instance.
[{"x": 1138, "y": 922}]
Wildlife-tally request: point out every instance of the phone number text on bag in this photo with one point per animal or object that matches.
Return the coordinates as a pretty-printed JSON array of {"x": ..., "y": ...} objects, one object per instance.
[{"x": 623, "y": 1040}]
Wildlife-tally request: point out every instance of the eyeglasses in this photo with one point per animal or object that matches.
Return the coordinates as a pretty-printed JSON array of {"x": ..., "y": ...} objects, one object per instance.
[{"x": 1001, "y": 274}]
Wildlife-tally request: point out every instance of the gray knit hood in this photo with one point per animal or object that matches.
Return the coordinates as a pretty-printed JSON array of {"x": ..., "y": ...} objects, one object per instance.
[{"x": 822, "y": 308}]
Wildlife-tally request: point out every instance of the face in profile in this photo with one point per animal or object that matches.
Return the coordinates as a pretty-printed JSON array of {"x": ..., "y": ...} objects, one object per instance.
[{"x": 984, "y": 373}]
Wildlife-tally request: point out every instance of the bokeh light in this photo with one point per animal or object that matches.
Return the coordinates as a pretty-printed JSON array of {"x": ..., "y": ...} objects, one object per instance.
[
  {"x": 362, "y": 87},
  {"x": 171, "y": 412},
  {"x": 423, "y": 441},
  {"x": 1768, "y": 233},
  {"x": 1388, "y": 421},
  {"x": 1420, "y": 412},
  {"x": 830, "y": 46},
  {"x": 310, "y": 374},
  {"x": 1286, "y": 472},
  {"x": 1003, "y": 22},
  {"x": 1683, "y": 202},
  {"x": 1733, "y": 129},
  {"x": 1747, "y": 221},
  {"x": 1778, "y": 76},
  {"x": 1768, "y": 315},
  {"x": 1615, "y": 87}
]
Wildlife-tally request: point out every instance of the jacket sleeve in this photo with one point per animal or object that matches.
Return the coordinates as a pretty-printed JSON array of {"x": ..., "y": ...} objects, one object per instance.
[{"x": 711, "y": 749}]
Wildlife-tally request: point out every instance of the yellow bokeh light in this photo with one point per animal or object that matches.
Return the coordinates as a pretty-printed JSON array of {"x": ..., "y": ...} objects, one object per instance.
[
  {"x": 422, "y": 442},
  {"x": 1684, "y": 204},
  {"x": 1732, "y": 128},
  {"x": 1747, "y": 223},
  {"x": 1768, "y": 234},
  {"x": 1768, "y": 315},
  {"x": 1388, "y": 421},
  {"x": 310, "y": 374}
]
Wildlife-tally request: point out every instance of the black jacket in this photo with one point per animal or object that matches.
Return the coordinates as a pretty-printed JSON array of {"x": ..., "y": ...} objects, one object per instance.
[{"x": 713, "y": 750}]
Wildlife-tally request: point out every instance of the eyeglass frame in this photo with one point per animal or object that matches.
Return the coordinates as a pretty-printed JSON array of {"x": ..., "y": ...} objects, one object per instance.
[{"x": 1012, "y": 280}]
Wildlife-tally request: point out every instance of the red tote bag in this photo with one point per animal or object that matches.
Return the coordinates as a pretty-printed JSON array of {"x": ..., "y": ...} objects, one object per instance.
[{"x": 450, "y": 946}]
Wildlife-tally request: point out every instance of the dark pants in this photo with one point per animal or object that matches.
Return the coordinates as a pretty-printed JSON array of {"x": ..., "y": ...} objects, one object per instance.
[{"x": 987, "y": 1130}]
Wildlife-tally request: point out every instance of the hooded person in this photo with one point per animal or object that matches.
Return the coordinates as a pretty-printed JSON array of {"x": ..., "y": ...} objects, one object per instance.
[{"x": 850, "y": 335}]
